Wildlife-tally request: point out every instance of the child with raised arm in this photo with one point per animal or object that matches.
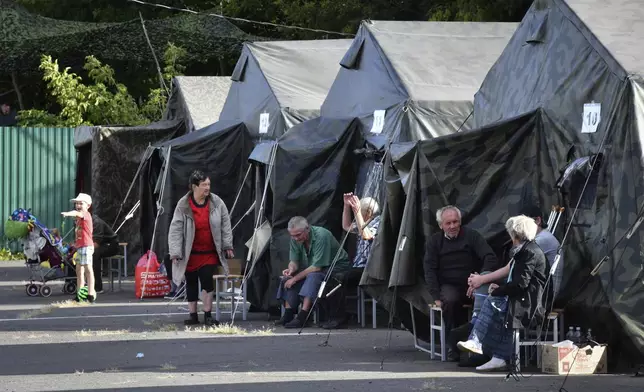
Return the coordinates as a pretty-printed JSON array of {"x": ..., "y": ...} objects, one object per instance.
[{"x": 84, "y": 244}]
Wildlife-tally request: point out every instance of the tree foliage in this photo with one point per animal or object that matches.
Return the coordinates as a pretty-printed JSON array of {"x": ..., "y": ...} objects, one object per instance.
[
  {"x": 478, "y": 10},
  {"x": 131, "y": 60},
  {"x": 104, "y": 101}
]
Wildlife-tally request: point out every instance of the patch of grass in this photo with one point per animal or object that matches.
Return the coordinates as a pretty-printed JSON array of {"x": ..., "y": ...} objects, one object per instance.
[
  {"x": 168, "y": 328},
  {"x": 105, "y": 332},
  {"x": 230, "y": 329},
  {"x": 222, "y": 329},
  {"x": 70, "y": 303},
  {"x": 35, "y": 312},
  {"x": 168, "y": 366},
  {"x": 264, "y": 331},
  {"x": 49, "y": 308}
]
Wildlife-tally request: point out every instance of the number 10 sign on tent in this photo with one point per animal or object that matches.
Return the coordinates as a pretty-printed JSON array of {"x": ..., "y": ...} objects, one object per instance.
[{"x": 592, "y": 117}]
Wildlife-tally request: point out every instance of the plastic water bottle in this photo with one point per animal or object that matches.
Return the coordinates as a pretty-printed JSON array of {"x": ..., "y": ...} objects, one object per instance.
[
  {"x": 578, "y": 336},
  {"x": 571, "y": 334}
]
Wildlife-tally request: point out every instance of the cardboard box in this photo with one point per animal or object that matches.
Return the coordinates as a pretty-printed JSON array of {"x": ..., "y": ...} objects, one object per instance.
[{"x": 585, "y": 360}]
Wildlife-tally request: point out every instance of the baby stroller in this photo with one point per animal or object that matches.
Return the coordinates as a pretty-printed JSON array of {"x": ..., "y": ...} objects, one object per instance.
[{"x": 47, "y": 258}]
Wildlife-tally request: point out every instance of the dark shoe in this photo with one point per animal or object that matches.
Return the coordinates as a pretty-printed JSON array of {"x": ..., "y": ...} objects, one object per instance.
[
  {"x": 335, "y": 324},
  {"x": 91, "y": 299},
  {"x": 297, "y": 322},
  {"x": 453, "y": 355},
  {"x": 208, "y": 320},
  {"x": 473, "y": 360},
  {"x": 193, "y": 320},
  {"x": 286, "y": 318}
]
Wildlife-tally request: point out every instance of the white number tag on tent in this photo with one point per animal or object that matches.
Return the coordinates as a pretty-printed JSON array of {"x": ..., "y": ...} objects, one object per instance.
[
  {"x": 378, "y": 121},
  {"x": 592, "y": 117},
  {"x": 264, "y": 121}
]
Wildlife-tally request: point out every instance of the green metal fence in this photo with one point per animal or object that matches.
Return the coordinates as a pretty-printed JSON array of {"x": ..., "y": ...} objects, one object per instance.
[{"x": 37, "y": 172}]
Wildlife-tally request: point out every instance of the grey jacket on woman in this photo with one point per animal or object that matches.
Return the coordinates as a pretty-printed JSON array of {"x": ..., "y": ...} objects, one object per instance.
[{"x": 182, "y": 234}]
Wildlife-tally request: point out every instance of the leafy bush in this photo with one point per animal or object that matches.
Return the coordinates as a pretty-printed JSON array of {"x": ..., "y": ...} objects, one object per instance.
[
  {"x": 7, "y": 255},
  {"x": 104, "y": 101}
]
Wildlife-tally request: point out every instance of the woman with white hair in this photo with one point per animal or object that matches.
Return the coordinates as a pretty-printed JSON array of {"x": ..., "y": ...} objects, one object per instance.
[
  {"x": 364, "y": 224},
  {"x": 515, "y": 304}
]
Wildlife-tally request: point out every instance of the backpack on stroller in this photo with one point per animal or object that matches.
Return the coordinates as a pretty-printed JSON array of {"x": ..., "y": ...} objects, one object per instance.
[{"x": 47, "y": 258}]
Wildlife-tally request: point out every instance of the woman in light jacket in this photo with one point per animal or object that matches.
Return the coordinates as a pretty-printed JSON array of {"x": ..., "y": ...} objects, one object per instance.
[{"x": 200, "y": 239}]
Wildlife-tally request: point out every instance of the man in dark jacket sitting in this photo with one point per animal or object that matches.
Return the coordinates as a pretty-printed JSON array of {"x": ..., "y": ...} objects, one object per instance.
[
  {"x": 450, "y": 257},
  {"x": 106, "y": 244}
]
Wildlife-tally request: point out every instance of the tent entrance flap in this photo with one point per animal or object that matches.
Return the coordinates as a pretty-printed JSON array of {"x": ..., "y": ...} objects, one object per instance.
[
  {"x": 156, "y": 221},
  {"x": 146, "y": 155},
  {"x": 258, "y": 244}
]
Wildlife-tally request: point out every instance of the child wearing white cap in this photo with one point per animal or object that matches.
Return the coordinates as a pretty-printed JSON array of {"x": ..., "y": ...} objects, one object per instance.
[{"x": 84, "y": 244}]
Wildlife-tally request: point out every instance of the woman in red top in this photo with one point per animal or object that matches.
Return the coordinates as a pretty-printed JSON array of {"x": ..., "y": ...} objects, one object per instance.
[{"x": 199, "y": 239}]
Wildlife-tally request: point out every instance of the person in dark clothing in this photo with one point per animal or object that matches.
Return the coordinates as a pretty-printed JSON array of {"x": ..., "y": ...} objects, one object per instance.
[
  {"x": 106, "y": 244},
  {"x": 450, "y": 257},
  {"x": 8, "y": 116}
]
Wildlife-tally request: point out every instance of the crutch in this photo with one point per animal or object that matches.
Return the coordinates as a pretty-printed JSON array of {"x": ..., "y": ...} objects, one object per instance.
[
  {"x": 559, "y": 212},
  {"x": 551, "y": 218}
]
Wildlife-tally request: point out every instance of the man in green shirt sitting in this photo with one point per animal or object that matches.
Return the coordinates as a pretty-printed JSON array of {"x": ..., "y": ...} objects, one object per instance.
[{"x": 312, "y": 250}]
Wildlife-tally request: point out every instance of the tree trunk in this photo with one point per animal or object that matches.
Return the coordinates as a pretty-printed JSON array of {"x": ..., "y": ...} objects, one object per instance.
[{"x": 16, "y": 88}]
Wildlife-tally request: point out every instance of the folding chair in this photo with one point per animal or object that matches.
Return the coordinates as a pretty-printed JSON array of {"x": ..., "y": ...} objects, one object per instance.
[
  {"x": 222, "y": 281},
  {"x": 361, "y": 308}
]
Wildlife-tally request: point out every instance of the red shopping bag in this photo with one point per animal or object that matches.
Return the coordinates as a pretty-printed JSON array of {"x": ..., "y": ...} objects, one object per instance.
[{"x": 156, "y": 284}]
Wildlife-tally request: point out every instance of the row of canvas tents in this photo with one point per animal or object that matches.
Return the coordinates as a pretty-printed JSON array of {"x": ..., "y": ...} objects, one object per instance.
[{"x": 487, "y": 116}]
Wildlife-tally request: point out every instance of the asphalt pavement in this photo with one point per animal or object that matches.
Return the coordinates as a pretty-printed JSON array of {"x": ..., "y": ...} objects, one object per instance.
[{"x": 123, "y": 344}]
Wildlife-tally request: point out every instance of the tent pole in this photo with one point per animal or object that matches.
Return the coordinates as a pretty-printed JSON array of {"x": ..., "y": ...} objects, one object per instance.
[
  {"x": 258, "y": 221},
  {"x": 241, "y": 188},
  {"x": 156, "y": 220},
  {"x": 250, "y": 209},
  {"x": 136, "y": 175}
]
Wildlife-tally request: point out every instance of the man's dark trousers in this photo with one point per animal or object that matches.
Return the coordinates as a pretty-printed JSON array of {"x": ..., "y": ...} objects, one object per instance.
[
  {"x": 453, "y": 298},
  {"x": 107, "y": 249}
]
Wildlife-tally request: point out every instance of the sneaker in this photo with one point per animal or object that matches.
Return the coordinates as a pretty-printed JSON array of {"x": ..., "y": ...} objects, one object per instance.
[
  {"x": 470, "y": 346},
  {"x": 494, "y": 364},
  {"x": 100, "y": 292},
  {"x": 91, "y": 299}
]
